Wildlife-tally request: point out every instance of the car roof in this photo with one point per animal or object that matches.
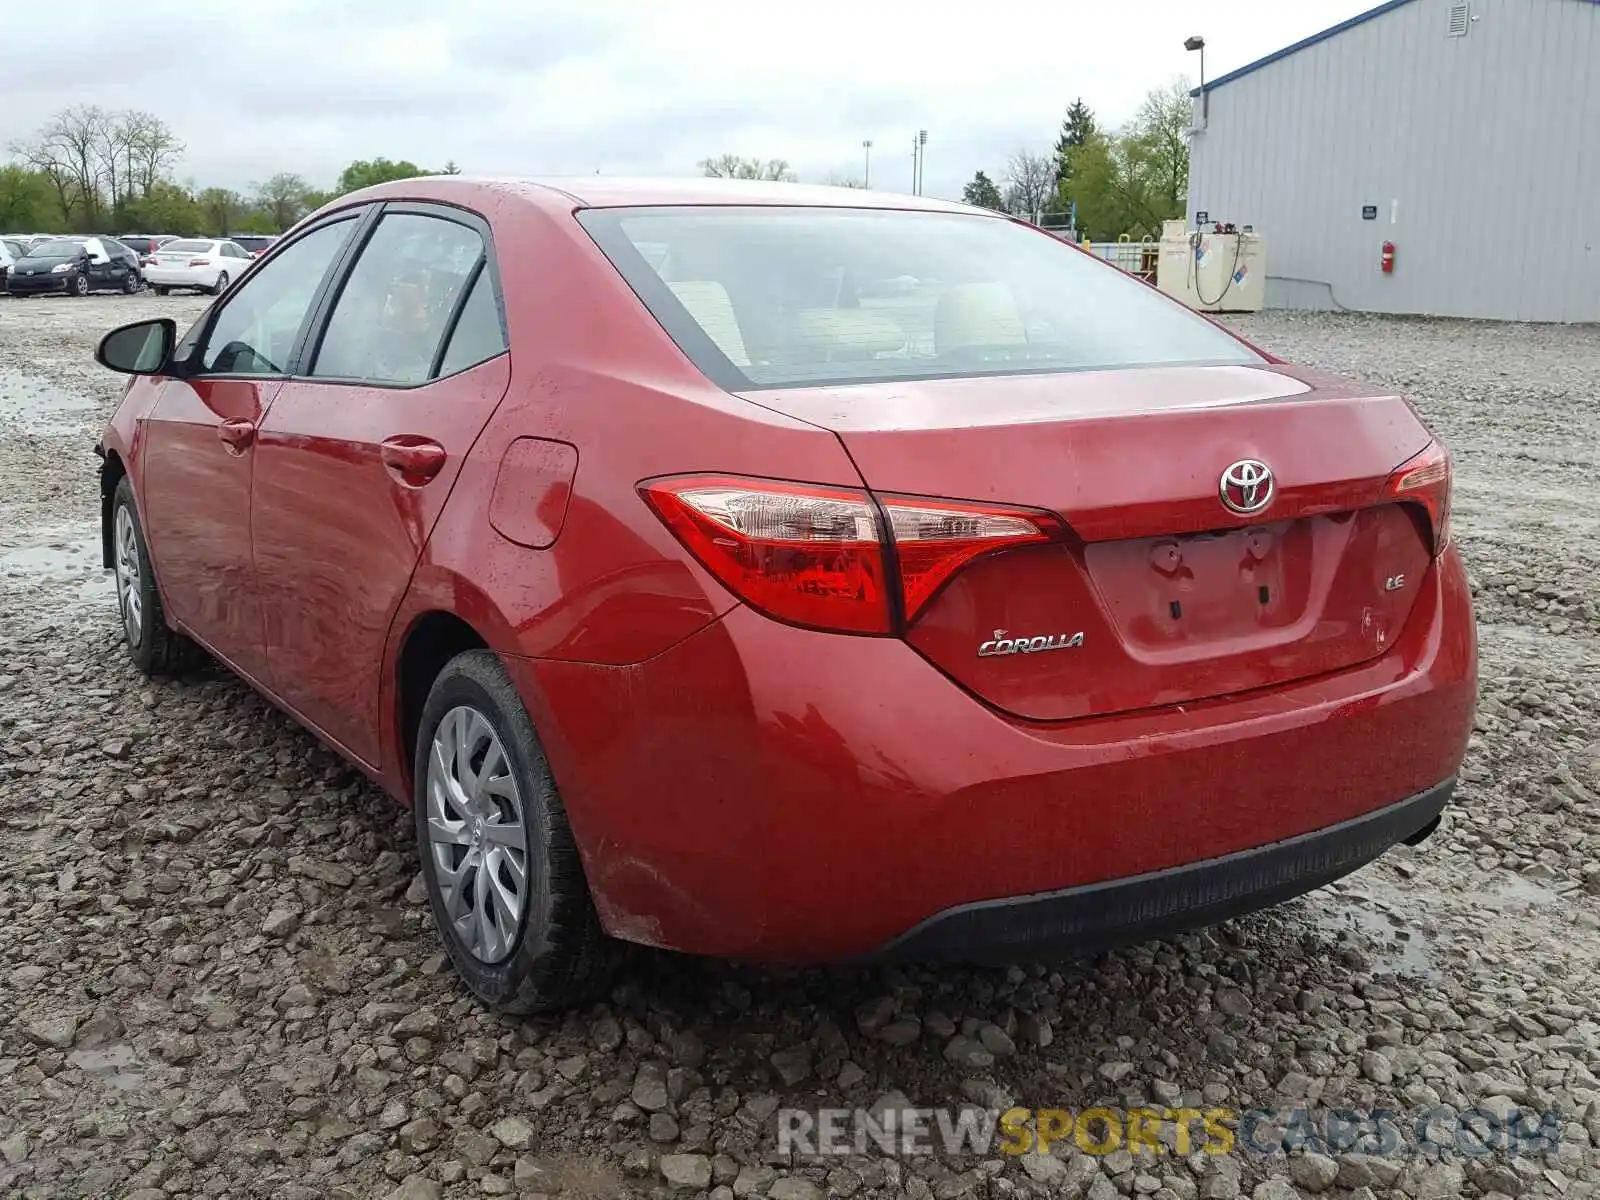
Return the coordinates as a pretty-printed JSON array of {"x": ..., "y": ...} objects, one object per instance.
[{"x": 609, "y": 191}]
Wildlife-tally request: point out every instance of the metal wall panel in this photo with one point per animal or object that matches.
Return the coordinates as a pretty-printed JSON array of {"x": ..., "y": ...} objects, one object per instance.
[{"x": 1481, "y": 154}]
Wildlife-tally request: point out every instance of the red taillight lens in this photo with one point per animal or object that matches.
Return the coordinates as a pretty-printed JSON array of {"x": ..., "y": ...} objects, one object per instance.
[
  {"x": 815, "y": 556},
  {"x": 807, "y": 555},
  {"x": 199, "y": 262},
  {"x": 935, "y": 538},
  {"x": 1425, "y": 480}
]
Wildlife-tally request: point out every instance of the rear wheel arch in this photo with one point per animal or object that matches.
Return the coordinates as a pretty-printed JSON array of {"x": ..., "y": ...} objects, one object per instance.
[{"x": 434, "y": 639}]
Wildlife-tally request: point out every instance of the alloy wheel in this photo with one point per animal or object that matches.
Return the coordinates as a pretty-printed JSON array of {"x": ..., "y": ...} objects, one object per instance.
[
  {"x": 477, "y": 835},
  {"x": 128, "y": 575}
]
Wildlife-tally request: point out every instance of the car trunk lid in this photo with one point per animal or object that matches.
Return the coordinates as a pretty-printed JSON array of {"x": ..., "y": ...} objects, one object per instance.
[{"x": 1160, "y": 595}]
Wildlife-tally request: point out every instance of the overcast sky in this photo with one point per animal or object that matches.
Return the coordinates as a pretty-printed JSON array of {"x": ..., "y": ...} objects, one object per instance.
[{"x": 621, "y": 86}]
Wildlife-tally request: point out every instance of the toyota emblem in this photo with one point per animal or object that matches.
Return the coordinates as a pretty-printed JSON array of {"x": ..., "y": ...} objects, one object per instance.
[{"x": 1247, "y": 486}]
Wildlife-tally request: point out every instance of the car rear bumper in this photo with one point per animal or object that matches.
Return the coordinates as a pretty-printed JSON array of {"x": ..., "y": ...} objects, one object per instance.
[
  {"x": 767, "y": 792},
  {"x": 169, "y": 277},
  {"x": 1097, "y": 916}
]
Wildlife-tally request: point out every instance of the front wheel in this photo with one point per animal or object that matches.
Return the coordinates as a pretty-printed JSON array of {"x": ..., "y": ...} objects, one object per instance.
[
  {"x": 130, "y": 283},
  {"x": 503, "y": 874},
  {"x": 155, "y": 647},
  {"x": 221, "y": 285},
  {"x": 80, "y": 285}
]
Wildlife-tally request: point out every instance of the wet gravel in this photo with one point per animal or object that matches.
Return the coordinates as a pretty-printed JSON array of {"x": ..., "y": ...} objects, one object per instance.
[{"x": 217, "y": 977}]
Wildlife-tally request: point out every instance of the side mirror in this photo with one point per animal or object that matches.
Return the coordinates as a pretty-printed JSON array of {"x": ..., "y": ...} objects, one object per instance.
[{"x": 143, "y": 348}]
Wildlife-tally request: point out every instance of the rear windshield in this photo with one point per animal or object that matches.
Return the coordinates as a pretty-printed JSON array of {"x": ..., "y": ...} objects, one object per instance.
[
  {"x": 253, "y": 243},
  {"x": 784, "y": 297},
  {"x": 188, "y": 247}
]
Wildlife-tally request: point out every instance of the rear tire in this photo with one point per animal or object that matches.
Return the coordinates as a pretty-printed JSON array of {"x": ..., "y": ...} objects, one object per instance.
[
  {"x": 155, "y": 647},
  {"x": 479, "y": 766},
  {"x": 221, "y": 285},
  {"x": 80, "y": 285},
  {"x": 130, "y": 284}
]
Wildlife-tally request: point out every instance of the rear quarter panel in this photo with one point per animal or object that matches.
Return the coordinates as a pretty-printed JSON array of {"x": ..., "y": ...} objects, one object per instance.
[{"x": 590, "y": 368}]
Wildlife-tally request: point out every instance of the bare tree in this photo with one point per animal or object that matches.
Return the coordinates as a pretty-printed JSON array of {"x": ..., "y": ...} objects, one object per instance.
[
  {"x": 844, "y": 179},
  {"x": 1031, "y": 180},
  {"x": 97, "y": 160},
  {"x": 68, "y": 151},
  {"x": 731, "y": 166},
  {"x": 283, "y": 197},
  {"x": 152, "y": 149}
]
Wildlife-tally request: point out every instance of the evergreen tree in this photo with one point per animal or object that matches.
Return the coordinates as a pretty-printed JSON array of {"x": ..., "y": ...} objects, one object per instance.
[
  {"x": 983, "y": 192},
  {"x": 1077, "y": 130}
]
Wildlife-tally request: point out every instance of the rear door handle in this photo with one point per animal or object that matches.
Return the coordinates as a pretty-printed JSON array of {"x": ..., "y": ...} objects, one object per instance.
[
  {"x": 237, "y": 433},
  {"x": 415, "y": 459}
]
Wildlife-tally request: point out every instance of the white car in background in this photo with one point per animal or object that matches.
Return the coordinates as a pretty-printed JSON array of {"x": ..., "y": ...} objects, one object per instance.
[{"x": 203, "y": 264}]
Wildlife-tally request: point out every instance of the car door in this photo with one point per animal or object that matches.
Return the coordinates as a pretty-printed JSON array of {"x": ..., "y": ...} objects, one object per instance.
[
  {"x": 198, "y": 451},
  {"x": 101, "y": 266},
  {"x": 359, "y": 451}
]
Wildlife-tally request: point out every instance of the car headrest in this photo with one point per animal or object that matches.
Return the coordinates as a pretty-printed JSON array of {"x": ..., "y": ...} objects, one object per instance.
[
  {"x": 977, "y": 314},
  {"x": 708, "y": 304},
  {"x": 844, "y": 333}
]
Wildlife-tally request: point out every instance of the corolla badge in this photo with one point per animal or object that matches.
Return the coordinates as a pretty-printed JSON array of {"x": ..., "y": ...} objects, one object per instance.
[{"x": 1001, "y": 644}]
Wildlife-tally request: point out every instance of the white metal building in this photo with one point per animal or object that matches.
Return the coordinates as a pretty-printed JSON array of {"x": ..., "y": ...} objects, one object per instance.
[{"x": 1464, "y": 132}]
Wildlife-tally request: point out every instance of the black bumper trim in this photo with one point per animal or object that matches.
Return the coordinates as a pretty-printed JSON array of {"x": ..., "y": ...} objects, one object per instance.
[{"x": 1099, "y": 916}]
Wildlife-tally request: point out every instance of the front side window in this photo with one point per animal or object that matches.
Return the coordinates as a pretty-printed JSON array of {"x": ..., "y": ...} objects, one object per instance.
[
  {"x": 390, "y": 318},
  {"x": 790, "y": 296},
  {"x": 256, "y": 330}
]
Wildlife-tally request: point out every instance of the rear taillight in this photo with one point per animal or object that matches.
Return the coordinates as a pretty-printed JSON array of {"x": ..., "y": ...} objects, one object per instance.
[
  {"x": 199, "y": 262},
  {"x": 834, "y": 558},
  {"x": 1425, "y": 480}
]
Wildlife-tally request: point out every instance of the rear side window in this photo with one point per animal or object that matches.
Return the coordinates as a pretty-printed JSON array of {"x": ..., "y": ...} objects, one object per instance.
[
  {"x": 794, "y": 296},
  {"x": 478, "y": 335},
  {"x": 391, "y": 315}
]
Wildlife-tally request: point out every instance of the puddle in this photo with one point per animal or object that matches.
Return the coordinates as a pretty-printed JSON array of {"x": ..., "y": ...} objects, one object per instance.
[
  {"x": 1392, "y": 944},
  {"x": 62, "y": 561},
  {"x": 1515, "y": 892},
  {"x": 33, "y": 406},
  {"x": 109, "y": 1066}
]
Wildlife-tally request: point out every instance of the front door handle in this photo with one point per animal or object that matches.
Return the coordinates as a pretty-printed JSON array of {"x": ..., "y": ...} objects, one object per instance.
[
  {"x": 237, "y": 433},
  {"x": 415, "y": 459}
]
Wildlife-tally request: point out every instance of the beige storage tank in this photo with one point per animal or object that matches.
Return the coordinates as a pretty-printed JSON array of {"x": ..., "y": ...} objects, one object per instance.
[{"x": 1213, "y": 272}]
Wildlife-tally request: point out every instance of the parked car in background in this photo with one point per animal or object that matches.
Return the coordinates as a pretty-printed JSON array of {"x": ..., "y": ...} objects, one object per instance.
[
  {"x": 698, "y": 600},
  {"x": 76, "y": 266},
  {"x": 253, "y": 243},
  {"x": 203, "y": 264},
  {"x": 145, "y": 244},
  {"x": 11, "y": 249}
]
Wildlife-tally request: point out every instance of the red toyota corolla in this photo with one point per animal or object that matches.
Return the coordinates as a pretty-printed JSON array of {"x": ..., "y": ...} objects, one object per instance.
[{"x": 793, "y": 574}]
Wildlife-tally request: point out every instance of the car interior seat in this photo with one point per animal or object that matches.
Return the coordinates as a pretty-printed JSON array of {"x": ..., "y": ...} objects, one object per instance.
[{"x": 977, "y": 314}]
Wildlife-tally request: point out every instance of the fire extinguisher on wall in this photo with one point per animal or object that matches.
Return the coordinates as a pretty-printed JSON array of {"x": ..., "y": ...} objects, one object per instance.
[{"x": 1387, "y": 261}]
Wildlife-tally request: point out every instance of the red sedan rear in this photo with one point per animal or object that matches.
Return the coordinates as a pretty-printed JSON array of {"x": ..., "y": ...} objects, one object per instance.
[{"x": 793, "y": 574}]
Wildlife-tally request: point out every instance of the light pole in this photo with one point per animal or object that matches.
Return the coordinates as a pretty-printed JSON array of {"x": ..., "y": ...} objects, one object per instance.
[
  {"x": 921, "y": 158},
  {"x": 1199, "y": 43},
  {"x": 866, "y": 145}
]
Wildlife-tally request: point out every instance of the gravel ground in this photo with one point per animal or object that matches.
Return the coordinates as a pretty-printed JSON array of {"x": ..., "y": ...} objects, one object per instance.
[{"x": 217, "y": 976}]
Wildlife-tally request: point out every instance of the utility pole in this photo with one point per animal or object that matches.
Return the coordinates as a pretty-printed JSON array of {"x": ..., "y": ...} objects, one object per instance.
[
  {"x": 866, "y": 145},
  {"x": 922, "y": 157}
]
